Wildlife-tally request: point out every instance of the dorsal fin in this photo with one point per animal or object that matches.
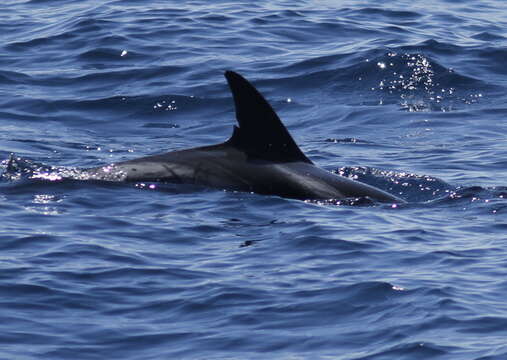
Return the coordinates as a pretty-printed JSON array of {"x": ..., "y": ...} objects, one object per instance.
[{"x": 260, "y": 134}]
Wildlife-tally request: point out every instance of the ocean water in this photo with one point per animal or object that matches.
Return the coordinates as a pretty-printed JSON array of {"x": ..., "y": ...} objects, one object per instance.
[{"x": 407, "y": 96}]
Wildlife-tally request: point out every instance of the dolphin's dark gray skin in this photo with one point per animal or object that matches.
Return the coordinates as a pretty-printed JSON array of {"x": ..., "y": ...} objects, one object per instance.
[{"x": 260, "y": 157}]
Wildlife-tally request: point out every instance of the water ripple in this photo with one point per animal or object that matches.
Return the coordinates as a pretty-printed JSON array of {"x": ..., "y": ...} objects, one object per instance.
[{"x": 405, "y": 97}]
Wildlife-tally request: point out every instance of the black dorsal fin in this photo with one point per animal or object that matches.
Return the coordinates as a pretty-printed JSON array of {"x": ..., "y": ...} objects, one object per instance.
[{"x": 260, "y": 134}]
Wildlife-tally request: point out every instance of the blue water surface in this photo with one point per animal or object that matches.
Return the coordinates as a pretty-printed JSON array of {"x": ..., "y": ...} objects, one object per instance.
[{"x": 407, "y": 96}]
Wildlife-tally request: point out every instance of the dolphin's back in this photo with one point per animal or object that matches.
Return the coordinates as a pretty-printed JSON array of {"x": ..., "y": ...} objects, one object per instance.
[
  {"x": 261, "y": 157},
  {"x": 224, "y": 166}
]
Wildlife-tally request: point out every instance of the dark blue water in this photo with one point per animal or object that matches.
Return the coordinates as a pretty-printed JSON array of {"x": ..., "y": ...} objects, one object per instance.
[{"x": 407, "y": 96}]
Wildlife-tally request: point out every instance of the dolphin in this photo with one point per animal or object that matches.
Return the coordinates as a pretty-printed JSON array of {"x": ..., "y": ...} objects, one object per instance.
[{"x": 260, "y": 157}]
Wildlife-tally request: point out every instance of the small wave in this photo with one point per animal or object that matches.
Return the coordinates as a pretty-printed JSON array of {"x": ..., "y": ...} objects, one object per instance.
[
  {"x": 412, "y": 187},
  {"x": 417, "y": 350},
  {"x": 13, "y": 77},
  {"x": 111, "y": 54},
  {"x": 391, "y": 14},
  {"x": 358, "y": 201},
  {"x": 411, "y": 79},
  {"x": 37, "y": 43},
  {"x": 488, "y": 36},
  {"x": 347, "y": 141},
  {"x": 419, "y": 83},
  {"x": 477, "y": 194},
  {"x": 16, "y": 168}
]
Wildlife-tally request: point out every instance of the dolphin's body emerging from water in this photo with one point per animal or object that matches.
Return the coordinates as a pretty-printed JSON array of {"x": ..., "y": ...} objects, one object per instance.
[{"x": 260, "y": 157}]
